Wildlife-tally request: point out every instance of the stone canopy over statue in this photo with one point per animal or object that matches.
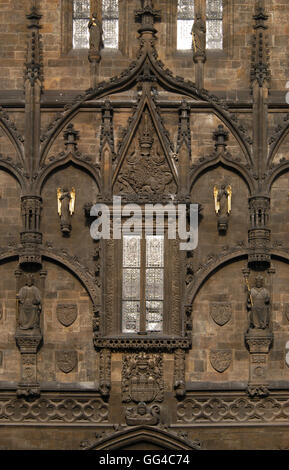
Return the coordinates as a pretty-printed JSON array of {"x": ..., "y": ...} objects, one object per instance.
[
  {"x": 29, "y": 306},
  {"x": 258, "y": 304}
]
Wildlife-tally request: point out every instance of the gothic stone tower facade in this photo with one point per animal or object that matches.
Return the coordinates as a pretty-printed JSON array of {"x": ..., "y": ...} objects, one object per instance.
[{"x": 131, "y": 343}]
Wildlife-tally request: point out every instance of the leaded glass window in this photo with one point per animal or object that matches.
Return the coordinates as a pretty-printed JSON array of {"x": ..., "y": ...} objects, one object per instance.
[
  {"x": 81, "y": 14},
  {"x": 185, "y": 23},
  {"x": 214, "y": 12},
  {"x": 142, "y": 283},
  {"x": 110, "y": 23}
]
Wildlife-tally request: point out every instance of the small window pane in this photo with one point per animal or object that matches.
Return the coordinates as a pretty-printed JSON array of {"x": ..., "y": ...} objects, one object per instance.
[
  {"x": 110, "y": 23},
  {"x": 80, "y": 34},
  {"x": 81, "y": 12},
  {"x": 131, "y": 284},
  {"x": 131, "y": 251},
  {"x": 154, "y": 284},
  {"x": 154, "y": 316},
  {"x": 130, "y": 317},
  {"x": 214, "y": 38},
  {"x": 185, "y": 23},
  {"x": 81, "y": 8},
  {"x": 154, "y": 251}
]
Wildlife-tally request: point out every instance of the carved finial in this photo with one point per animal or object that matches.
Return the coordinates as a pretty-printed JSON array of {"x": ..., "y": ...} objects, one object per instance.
[
  {"x": 147, "y": 16},
  {"x": 184, "y": 132},
  {"x": 71, "y": 136},
  {"x": 260, "y": 70},
  {"x": 34, "y": 65},
  {"x": 106, "y": 134},
  {"x": 221, "y": 136},
  {"x": 146, "y": 140}
]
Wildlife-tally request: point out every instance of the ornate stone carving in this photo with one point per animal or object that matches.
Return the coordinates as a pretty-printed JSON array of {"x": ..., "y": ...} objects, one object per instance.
[
  {"x": 124, "y": 343},
  {"x": 29, "y": 307},
  {"x": 260, "y": 68},
  {"x": 286, "y": 311},
  {"x": 31, "y": 237},
  {"x": 142, "y": 378},
  {"x": 259, "y": 233},
  {"x": 66, "y": 314},
  {"x": 34, "y": 65},
  {"x": 105, "y": 372},
  {"x": 257, "y": 391},
  {"x": 142, "y": 414},
  {"x": 199, "y": 39},
  {"x": 70, "y": 136},
  {"x": 103, "y": 439},
  {"x": 179, "y": 373},
  {"x": 234, "y": 409},
  {"x": 223, "y": 205},
  {"x": 220, "y": 360},
  {"x": 258, "y": 305},
  {"x": 66, "y": 203},
  {"x": 145, "y": 170},
  {"x": 221, "y": 312},
  {"x": 95, "y": 38},
  {"x": 54, "y": 410},
  {"x": 66, "y": 360}
]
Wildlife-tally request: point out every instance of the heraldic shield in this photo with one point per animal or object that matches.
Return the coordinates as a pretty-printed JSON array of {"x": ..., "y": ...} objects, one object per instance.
[
  {"x": 142, "y": 378},
  {"x": 221, "y": 312},
  {"x": 220, "y": 360}
]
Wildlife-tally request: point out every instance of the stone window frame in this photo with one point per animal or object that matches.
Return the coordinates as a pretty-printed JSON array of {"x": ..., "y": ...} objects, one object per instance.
[
  {"x": 171, "y": 30},
  {"x": 67, "y": 27},
  {"x": 166, "y": 331}
]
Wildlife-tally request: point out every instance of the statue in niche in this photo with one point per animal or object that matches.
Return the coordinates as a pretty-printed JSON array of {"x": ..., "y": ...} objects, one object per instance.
[
  {"x": 66, "y": 204},
  {"x": 143, "y": 414},
  {"x": 223, "y": 206},
  {"x": 29, "y": 306},
  {"x": 199, "y": 36},
  {"x": 258, "y": 305},
  {"x": 95, "y": 36}
]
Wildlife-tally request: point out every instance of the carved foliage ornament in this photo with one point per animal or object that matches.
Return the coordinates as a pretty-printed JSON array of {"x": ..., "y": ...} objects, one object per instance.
[
  {"x": 66, "y": 360},
  {"x": 221, "y": 312},
  {"x": 66, "y": 313},
  {"x": 220, "y": 360}
]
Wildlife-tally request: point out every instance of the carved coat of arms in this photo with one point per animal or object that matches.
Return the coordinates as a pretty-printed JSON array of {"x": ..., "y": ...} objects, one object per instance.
[
  {"x": 221, "y": 312},
  {"x": 66, "y": 360},
  {"x": 220, "y": 360},
  {"x": 66, "y": 313},
  {"x": 142, "y": 379}
]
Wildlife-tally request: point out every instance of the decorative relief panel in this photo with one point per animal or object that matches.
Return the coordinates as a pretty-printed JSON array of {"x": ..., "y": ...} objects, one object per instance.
[
  {"x": 216, "y": 410},
  {"x": 54, "y": 410},
  {"x": 145, "y": 170}
]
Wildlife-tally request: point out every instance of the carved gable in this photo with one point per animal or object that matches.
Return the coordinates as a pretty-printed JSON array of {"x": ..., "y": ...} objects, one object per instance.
[{"x": 145, "y": 170}]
